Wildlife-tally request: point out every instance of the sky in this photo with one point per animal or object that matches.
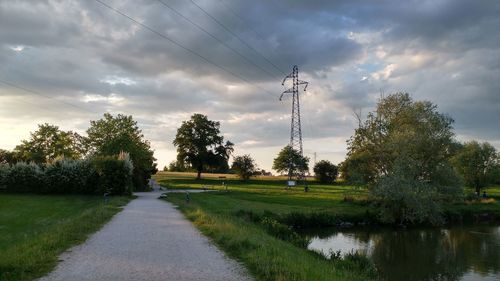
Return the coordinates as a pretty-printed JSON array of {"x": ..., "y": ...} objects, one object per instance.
[{"x": 68, "y": 62}]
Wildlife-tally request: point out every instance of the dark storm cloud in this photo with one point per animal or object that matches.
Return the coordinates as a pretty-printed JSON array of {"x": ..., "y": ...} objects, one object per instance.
[{"x": 80, "y": 53}]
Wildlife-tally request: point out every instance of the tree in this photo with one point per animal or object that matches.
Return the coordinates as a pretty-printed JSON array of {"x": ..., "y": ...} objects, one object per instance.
[
  {"x": 404, "y": 147},
  {"x": 48, "y": 143},
  {"x": 325, "y": 171},
  {"x": 477, "y": 163},
  {"x": 200, "y": 144},
  {"x": 7, "y": 157},
  {"x": 289, "y": 158},
  {"x": 178, "y": 166},
  {"x": 244, "y": 166},
  {"x": 112, "y": 135}
]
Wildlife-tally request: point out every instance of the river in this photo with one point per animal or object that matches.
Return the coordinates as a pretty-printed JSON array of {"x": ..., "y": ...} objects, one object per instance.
[{"x": 458, "y": 253}]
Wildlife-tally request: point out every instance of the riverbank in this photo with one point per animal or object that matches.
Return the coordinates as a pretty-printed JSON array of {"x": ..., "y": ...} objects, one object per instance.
[
  {"x": 257, "y": 221},
  {"x": 36, "y": 229},
  {"x": 269, "y": 249}
]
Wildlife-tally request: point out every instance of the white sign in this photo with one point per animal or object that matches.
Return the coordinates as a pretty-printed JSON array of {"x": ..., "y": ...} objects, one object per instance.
[{"x": 291, "y": 183}]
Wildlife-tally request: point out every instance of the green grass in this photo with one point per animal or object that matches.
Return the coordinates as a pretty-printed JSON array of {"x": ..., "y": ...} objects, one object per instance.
[
  {"x": 269, "y": 194},
  {"x": 36, "y": 229},
  {"x": 219, "y": 216},
  {"x": 267, "y": 257}
]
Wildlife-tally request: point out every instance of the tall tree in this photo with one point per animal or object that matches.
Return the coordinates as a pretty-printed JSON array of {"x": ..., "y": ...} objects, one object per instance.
[
  {"x": 477, "y": 163},
  {"x": 48, "y": 143},
  {"x": 244, "y": 166},
  {"x": 289, "y": 158},
  {"x": 114, "y": 134},
  {"x": 199, "y": 143},
  {"x": 402, "y": 151}
]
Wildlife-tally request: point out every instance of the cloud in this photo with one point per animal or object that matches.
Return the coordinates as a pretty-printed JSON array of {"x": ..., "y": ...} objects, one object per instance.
[{"x": 82, "y": 60}]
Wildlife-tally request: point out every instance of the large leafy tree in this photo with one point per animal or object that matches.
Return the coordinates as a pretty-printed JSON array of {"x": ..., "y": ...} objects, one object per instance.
[
  {"x": 290, "y": 159},
  {"x": 48, "y": 143},
  {"x": 477, "y": 163},
  {"x": 402, "y": 150},
  {"x": 114, "y": 134},
  {"x": 325, "y": 171},
  {"x": 244, "y": 166},
  {"x": 200, "y": 144}
]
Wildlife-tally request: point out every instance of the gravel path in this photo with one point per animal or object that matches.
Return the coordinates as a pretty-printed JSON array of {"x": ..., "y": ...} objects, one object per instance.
[{"x": 148, "y": 240}]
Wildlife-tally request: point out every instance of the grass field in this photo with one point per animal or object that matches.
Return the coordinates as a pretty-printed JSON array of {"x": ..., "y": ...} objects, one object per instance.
[
  {"x": 269, "y": 194},
  {"x": 35, "y": 229},
  {"x": 219, "y": 216}
]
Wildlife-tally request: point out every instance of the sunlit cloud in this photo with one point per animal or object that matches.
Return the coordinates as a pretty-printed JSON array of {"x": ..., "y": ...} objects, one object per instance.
[
  {"x": 112, "y": 99},
  {"x": 18, "y": 48}
]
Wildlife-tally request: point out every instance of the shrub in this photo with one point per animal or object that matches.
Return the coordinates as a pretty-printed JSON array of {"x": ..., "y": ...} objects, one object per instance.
[
  {"x": 4, "y": 171},
  {"x": 283, "y": 232},
  {"x": 101, "y": 174},
  {"x": 244, "y": 166},
  {"x": 402, "y": 196},
  {"x": 299, "y": 220},
  {"x": 115, "y": 174},
  {"x": 325, "y": 171},
  {"x": 70, "y": 176},
  {"x": 24, "y": 177}
]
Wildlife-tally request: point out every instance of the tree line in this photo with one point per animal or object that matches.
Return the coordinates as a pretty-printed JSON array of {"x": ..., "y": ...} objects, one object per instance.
[
  {"x": 106, "y": 137},
  {"x": 405, "y": 152}
]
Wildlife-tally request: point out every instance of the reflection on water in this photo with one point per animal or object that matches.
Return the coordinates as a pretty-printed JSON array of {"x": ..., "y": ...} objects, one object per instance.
[{"x": 465, "y": 253}]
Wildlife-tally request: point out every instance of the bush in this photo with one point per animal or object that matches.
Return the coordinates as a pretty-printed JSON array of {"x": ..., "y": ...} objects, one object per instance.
[
  {"x": 24, "y": 177},
  {"x": 244, "y": 166},
  {"x": 4, "y": 171},
  {"x": 70, "y": 176},
  {"x": 64, "y": 176},
  {"x": 115, "y": 174},
  {"x": 283, "y": 232},
  {"x": 325, "y": 171},
  {"x": 403, "y": 197}
]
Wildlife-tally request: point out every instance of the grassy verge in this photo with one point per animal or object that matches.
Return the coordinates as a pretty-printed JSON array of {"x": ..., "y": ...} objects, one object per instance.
[
  {"x": 266, "y": 256},
  {"x": 36, "y": 229}
]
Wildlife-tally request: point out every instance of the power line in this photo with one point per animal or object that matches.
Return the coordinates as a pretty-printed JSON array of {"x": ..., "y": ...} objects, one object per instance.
[
  {"x": 239, "y": 17},
  {"x": 46, "y": 96},
  {"x": 237, "y": 37},
  {"x": 191, "y": 51},
  {"x": 214, "y": 37},
  {"x": 37, "y": 105}
]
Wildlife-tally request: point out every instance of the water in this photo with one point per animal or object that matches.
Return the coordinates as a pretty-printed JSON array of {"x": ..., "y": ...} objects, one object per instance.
[{"x": 460, "y": 253}]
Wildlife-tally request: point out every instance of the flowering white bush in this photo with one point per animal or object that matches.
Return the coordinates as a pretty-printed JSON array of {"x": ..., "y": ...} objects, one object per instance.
[
  {"x": 70, "y": 176},
  {"x": 89, "y": 176},
  {"x": 4, "y": 171},
  {"x": 24, "y": 177}
]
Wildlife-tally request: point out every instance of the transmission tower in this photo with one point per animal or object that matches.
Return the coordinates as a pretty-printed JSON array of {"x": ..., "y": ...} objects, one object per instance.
[{"x": 295, "y": 127}]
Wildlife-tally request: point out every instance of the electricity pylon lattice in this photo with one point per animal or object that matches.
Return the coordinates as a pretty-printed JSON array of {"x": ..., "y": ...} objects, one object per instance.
[{"x": 295, "y": 127}]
